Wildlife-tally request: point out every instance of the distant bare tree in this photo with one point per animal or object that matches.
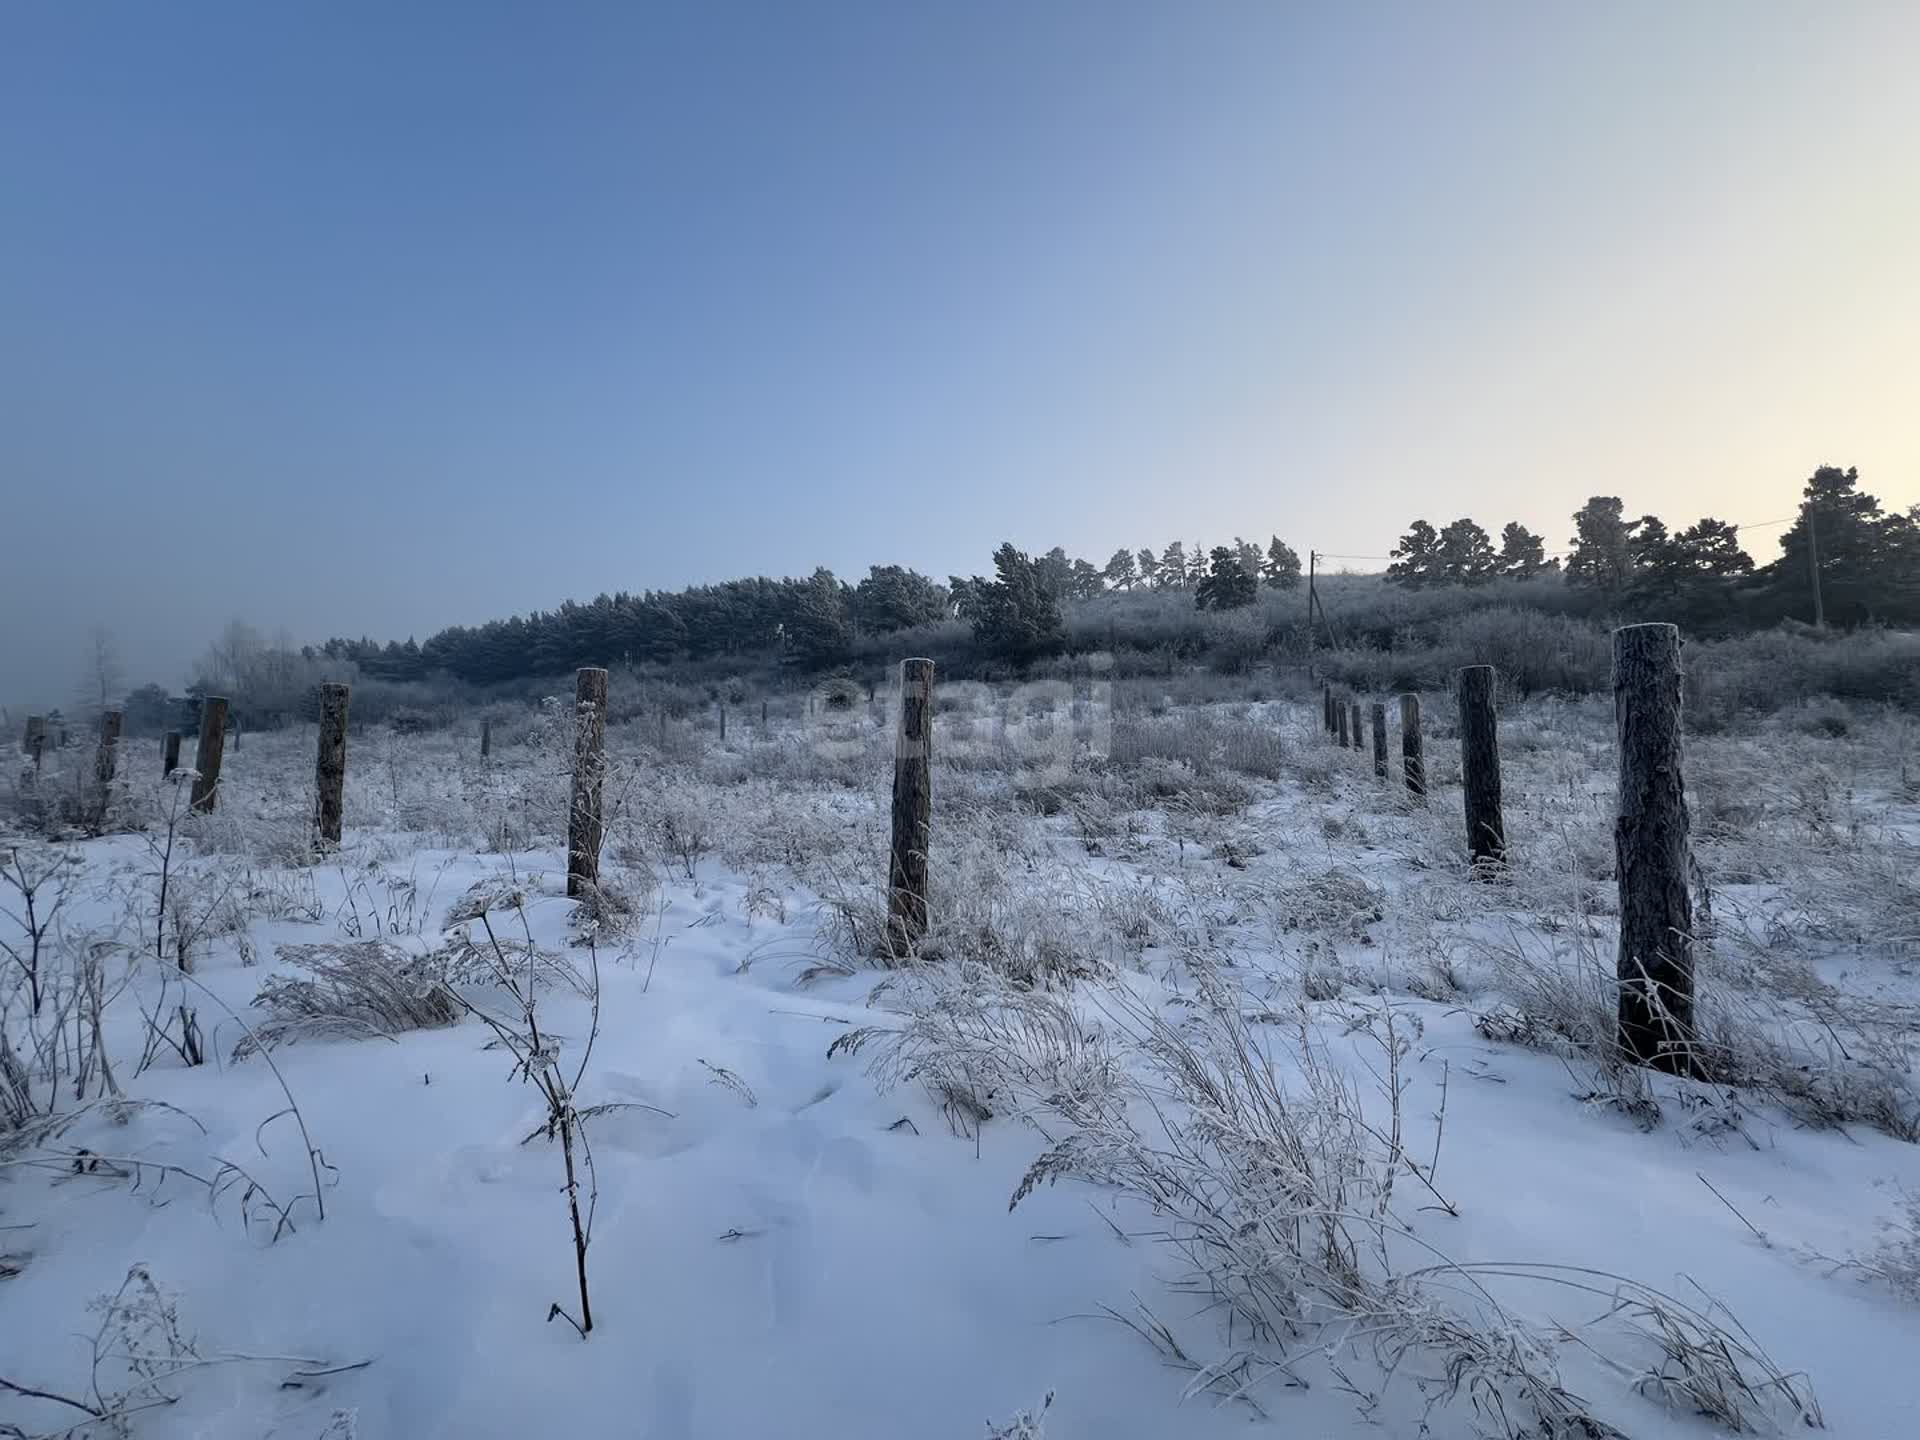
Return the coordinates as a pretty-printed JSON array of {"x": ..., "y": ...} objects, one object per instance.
[{"x": 102, "y": 678}]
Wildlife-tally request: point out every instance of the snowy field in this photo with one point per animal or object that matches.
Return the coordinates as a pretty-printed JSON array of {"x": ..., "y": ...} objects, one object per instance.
[{"x": 1311, "y": 1136}]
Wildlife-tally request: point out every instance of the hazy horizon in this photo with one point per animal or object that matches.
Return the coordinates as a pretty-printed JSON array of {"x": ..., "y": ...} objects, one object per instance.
[{"x": 356, "y": 320}]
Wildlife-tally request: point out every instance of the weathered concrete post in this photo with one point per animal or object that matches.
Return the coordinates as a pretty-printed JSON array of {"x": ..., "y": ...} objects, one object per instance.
[
  {"x": 1379, "y": 740},
  {"x": 170, "y": 754},
  {"x": 208, "y": 754},
  {"x": 589, "y": 771},
  {"x": 330, "y": 769},
  {"x": 486, "y": 738},
  {"x": 1480, "y": 769},
  {"x": 1340, "y": 722},
  {"x": 1412, "y": 745},
  {"x": 1655, "y": 964},
  {"x": 912, "y": 808},
  {"x": 1359, "y": 730},
  {"x": 107, "y": 761}
]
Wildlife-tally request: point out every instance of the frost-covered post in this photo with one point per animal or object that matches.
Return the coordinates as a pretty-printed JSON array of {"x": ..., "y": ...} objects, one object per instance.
[
  {"x": 1340, "y": 722},
  {"x": 589, "y": 771},
  {"x": 207, "y": 756},
  {"x": 330, "y": 769},
  {"x": 1480, "y": 769},
  {"x": 107, "y": 760},
  {"x": 36, "y": 738},
  {"x": 723, "y": 721},
  {"x": 912, "y": 808},
  {"x": 763, "y": 714},
  {"x": 1379, "y": 739},
  {"x": 170, "y": 754},
  {"x": 1359, "y": 727},
  {"x": 486, "y": 738},
  {"x": 1412, "y": 746},
  {"x": 1655, "y": 964},
  {"x": 1326, "y": 709}
]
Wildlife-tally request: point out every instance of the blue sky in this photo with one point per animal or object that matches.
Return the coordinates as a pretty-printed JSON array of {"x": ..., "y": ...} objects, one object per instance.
[{"x": 372, "y": 318}]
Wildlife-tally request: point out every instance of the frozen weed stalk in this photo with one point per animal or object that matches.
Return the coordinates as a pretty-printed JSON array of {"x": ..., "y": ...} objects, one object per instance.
[{"x": 536, "y": 1058}]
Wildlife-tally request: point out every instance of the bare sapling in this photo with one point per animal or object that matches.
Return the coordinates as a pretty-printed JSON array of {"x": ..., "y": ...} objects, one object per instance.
[
  {"x": 1655, "y": 963},
  {"x": 38, "y": 877},
  {"x": 536, "y": 1059}
]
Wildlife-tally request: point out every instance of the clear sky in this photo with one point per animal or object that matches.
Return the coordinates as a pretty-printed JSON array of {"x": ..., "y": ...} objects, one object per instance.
[{"x": 374, "y": 317}]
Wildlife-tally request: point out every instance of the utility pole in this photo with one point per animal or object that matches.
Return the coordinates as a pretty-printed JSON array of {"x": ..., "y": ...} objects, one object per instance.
[
  {"x": 1313, "y": 566},
  {"x": 1813, "y": 566}
]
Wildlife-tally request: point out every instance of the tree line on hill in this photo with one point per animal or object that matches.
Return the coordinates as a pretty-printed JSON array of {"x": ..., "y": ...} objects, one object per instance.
[
  {"x": 1845, "y": 559},
  {"x": 1866, "y": 559},
  {"x": 808, "y": 623}
]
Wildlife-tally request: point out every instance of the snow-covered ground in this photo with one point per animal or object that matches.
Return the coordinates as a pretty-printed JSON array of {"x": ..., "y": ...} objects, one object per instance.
[{"x": 790, "y": 1242}]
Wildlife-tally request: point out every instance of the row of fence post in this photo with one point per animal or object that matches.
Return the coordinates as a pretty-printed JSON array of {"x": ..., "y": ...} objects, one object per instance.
[
  {"x": 1654, "y": 959},
  {"x": 1343, "y": 724}
]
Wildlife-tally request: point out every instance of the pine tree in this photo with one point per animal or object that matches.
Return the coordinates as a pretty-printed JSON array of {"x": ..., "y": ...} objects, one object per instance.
[
  {"x": 1228, "y": 583},
  {"x": 1523, "y": 554},
  {"x": 1416, "y": 559},
  {"x": 1086, "y": 582},
  {"x": 1466, "y": 554},
  {"x": 1055, "y": 573},
  {"x": 1602, "y": 554},
  {"x": 1121, "y": 572},
  {"x": 1149, "y": 569},
  {"x": 1173, "y": 566},
  {"x": 1281, "y": 568},
  {"x": 1015, "y": 615}
]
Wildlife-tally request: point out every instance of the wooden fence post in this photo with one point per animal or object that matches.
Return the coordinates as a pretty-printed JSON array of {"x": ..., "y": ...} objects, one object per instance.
[
  {"x": 107, "y": 761},
  {"x": 1412, "y": 746},
  {"x": 1326, "y": 709},
  {"x": 208, "y": 754},
  {"x": 589, "y": 770},
  {"x": 763, "y": 714},
  {"x": 1480, "y": 769},
  {"x": 170, "y": 754},
  {"x": 330, "y": 768},
  {"x": 1655, "y": 963},
  {"x": 723, "y": 722},
  {"x": 912, "y": 808},
  {"x": 1340, "y": 722},
  {"x": 1379, "y": 740},
  {"x": 36, "y": 738},
  {"x": 486, "y": 738},
  {"x": 1359, "y": 731}
]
